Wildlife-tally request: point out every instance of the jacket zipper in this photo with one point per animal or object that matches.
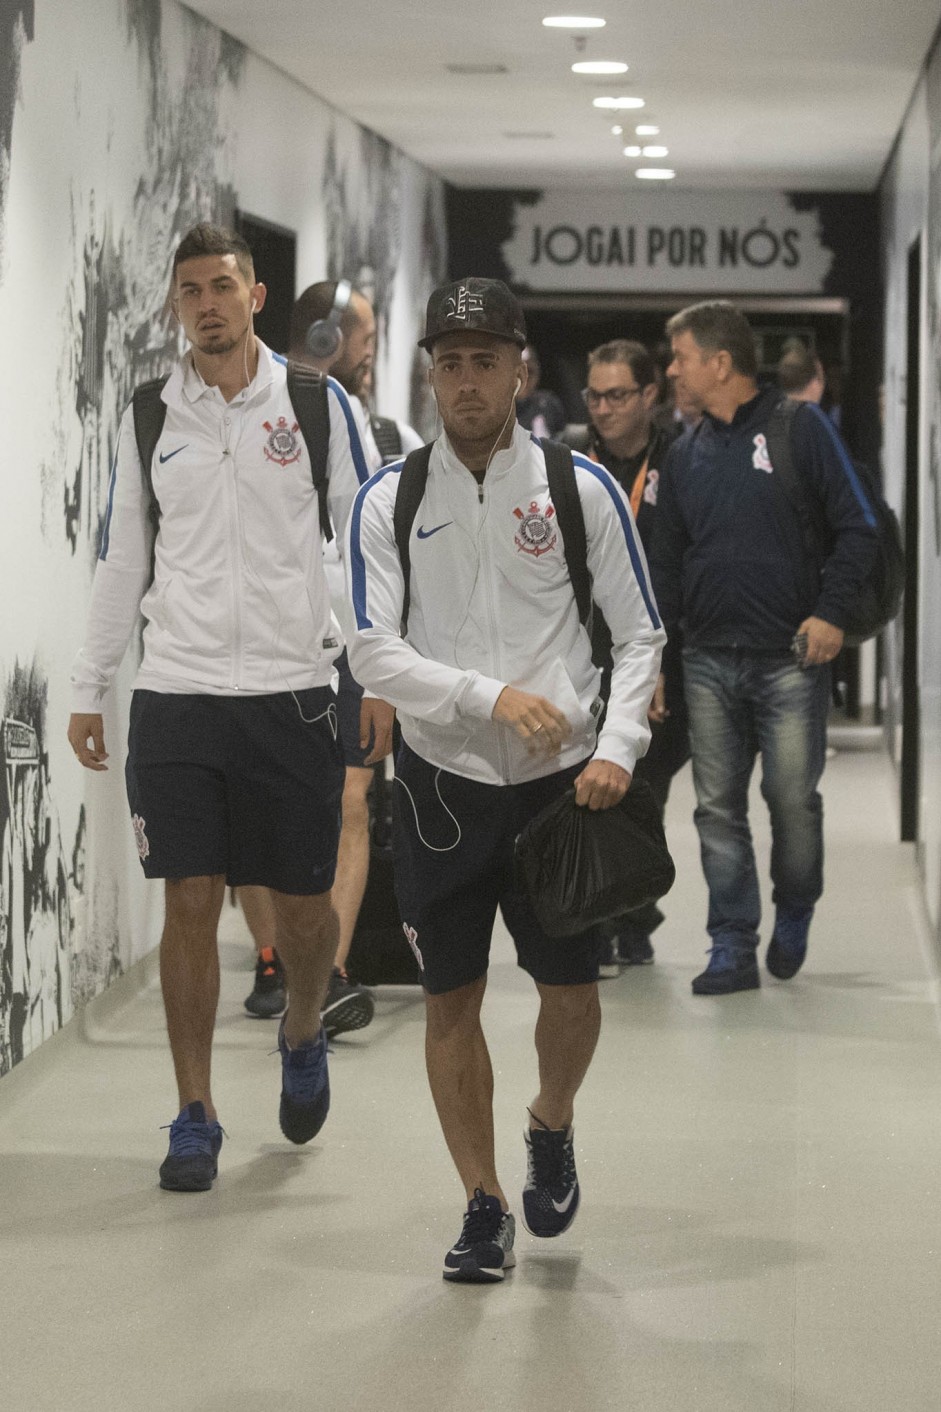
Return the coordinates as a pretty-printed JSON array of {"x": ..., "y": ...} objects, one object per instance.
[
  {"x": 492, "y": 623},
  {"x": 236, "y": 524}
]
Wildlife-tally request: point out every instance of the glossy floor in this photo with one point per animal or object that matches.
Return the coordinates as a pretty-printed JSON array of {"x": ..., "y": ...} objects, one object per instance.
[{"x": 761, "y": 1220}]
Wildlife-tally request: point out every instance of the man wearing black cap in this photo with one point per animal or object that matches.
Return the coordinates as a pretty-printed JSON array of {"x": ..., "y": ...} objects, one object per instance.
[{"x": 497, "y": 699}]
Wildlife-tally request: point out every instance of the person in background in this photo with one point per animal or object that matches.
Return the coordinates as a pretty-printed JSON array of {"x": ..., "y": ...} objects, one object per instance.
[
  {"x": 800, "y": 374},
  {"x": 761, "y": 628},
  {"x": 538, "y": 409},
  {"x": 333, "y": 305},
  {"x": 621, "y": 397},
  {"x": 387, "y": 439}
]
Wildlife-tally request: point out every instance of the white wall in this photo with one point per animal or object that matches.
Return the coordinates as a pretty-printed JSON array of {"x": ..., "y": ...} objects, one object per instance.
[
  {"x": 122, "y": 122},
  {"x": 912, "y": 207}
]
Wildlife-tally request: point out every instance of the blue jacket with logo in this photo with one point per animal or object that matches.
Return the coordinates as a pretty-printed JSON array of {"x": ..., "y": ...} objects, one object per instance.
[{"x": 728, "y": 559}]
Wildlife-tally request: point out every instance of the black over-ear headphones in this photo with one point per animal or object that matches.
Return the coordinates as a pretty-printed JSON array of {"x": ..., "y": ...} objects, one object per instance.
[{"x": 324, "y": 338}]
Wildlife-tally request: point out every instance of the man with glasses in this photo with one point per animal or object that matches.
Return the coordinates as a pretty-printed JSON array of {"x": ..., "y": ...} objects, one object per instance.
[{"x": 621, "y": 397}]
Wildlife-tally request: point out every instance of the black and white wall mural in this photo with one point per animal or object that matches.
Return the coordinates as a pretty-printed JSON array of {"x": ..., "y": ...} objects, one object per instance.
[{"x": 122, "y": 122}]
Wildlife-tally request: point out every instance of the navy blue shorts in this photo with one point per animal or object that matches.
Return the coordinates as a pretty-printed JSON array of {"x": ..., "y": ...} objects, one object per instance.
[
  {"x": 349, "y": 701},
  {"x": 448, "y": 900},
  {"x": 239, "y": 785}
]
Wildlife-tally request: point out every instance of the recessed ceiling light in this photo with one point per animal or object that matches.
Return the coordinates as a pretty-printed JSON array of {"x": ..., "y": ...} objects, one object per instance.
[
  {"x": 617, "y": 102},
  {"x": 632, "y": 151},
  {"x": 471, "y": 69},
  {"x": 647, "y": 130},
  {"x": 573, "y": 22},
  {"x": 599, "y": 66},
  {"x": 655, "y": 173},
  {"x": 656, "y": 152},
  {"x": 617, "y": 130}
]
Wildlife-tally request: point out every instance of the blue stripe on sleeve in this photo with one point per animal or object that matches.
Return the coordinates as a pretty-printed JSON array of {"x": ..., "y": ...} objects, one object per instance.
[
  {"x": 356, "y": 446},
  {"x": 846, "y": 463},
  {"x": 630, "y": 540},
  {"x": 357, "y": 562}
]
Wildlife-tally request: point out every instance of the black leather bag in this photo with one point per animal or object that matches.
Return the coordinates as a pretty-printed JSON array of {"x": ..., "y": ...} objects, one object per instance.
[{"x": 582, "y": 866}]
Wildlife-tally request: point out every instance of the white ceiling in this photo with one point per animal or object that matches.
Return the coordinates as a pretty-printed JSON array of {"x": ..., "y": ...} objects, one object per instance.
[{"x": 793, "y": 94}]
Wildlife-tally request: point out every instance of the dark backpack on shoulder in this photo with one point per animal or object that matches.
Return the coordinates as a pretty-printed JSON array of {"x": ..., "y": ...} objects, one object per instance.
[
  {"x": 880, "y": 596},
  {"x": 307, "y": 390},
  {"x": 560, "y": 471},
  {"x": 388, "y": 438}
]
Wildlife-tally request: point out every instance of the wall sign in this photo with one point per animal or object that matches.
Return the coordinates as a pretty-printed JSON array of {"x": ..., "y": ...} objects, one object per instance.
[{"x": 734, "y": 242}]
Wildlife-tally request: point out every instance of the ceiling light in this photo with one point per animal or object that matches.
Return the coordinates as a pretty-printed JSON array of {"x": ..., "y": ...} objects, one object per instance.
[
  {"x": 573, "y": 22},
  {"x": 471, "y": 69},
  {"x": 617, "y": 130},
  {"x": 529, "y": 136},
  {"x": 632, "y": 151},
  {"x": 647, "y": 130},
  {"x": 617, "y": 102},
  {"x": 656, "y": 152},
  {"x": 599, "y": 66},
  {"x": 655, "y": 173}
]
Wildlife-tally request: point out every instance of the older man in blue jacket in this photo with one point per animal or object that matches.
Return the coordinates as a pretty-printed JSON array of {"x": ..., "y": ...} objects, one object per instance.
[{"x": 761, "y": 626}]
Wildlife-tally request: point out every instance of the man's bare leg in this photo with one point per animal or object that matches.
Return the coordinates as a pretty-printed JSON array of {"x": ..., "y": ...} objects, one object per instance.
[
  {"x": 259, "y": 913},
  {"x": 566, "y": 1036},
  {"x": 306, "y": 931},
  {"x": 461, "y": 1079},
  {"x": 189, "y": 979},
  {"x": 352, "y": 859}
]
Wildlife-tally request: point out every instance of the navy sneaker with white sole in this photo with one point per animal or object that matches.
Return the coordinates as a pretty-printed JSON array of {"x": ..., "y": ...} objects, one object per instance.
[
  {"x": 195, "y": 1143},
  {"x": 484, "y": 1250},
  {"x": 551, "y": 1194},
  {"x": 305, "y": 1087}
]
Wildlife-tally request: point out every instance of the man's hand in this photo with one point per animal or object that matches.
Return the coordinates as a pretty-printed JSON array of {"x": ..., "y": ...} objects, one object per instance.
[
  {"x": 83, "y": 728},
  {"x": 536, "y": 721},
  {"x": 375, "y": 723},
  {"x": 823, "y": 641},
  {"x": 657, "y": 710},
  {"x": 601, "y": 785}
]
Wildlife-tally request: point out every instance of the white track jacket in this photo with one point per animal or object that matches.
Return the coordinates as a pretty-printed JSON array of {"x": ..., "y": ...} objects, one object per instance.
[
  {"x": 233, "y": 588},
  {"x": 492, "y": 605}
]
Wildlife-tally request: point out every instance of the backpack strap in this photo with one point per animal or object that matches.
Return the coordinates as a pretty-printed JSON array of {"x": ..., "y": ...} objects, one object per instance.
[
  {"x": 408, "y": 496},
  {"x": 150, "y": 413},
  {"x": 388, "y": 437},
  {"x": 560, "y": 471},
  {"x": 788, "y": 480},
  {"x": 307, "y": 389}
]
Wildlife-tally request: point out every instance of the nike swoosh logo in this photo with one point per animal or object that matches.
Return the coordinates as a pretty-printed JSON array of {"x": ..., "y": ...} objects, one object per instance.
[
  {"x": 426, "y": 534},
  {"x": 563, "y": 1206},
  {"x": 170, "y": 454}
]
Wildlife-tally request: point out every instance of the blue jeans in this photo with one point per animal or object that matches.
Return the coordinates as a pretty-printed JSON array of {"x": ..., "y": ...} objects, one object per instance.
[{"x": 742, "y": 704}]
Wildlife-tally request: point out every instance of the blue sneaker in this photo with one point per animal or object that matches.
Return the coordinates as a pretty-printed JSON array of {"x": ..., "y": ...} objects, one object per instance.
[
  {"x": 788, "y": 946},
  {"x": 195, "y": 1143},
  {"x": 730, "y": 968},
  {"x": 305, "y": 1087},
  {"x": 551, "y": 1194},
  {"x": 484, "y": 1251}
]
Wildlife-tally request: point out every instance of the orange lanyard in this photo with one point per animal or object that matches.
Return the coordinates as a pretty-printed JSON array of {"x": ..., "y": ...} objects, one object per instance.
[{"x": 637, "y": 489}]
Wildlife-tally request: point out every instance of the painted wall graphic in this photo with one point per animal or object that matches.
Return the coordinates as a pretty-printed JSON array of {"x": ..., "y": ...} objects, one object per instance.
[{"x": 156, "y": 119}]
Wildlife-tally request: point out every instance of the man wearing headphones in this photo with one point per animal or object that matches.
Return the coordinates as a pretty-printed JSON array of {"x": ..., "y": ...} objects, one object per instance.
[
  {"x": 497, "y": 700},
  {"x": 333, "y": 329},
  {"x": 233, "y": 772}
]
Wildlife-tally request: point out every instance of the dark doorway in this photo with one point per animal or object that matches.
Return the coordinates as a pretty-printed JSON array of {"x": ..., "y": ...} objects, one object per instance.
[
  {"x": 274, "y": 251},
  {"x": 910, "y": 768}
]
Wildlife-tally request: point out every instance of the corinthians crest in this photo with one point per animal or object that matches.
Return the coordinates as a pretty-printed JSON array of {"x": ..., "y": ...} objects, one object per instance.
[
  {"x": 536, "y": 532},
  {"x": 283, "y": 445}
]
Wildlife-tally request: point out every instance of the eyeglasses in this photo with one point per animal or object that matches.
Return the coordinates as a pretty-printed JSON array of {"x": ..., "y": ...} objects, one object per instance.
[{"x": 615, "y": 396}]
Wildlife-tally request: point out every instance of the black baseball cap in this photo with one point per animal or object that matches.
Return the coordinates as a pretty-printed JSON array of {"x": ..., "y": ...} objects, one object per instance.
[{"x": 484, "y": 305}]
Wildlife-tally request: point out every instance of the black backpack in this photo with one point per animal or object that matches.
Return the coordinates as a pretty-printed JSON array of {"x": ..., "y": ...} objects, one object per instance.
[
  {"x": 560, "y": 470},
  {"x": 388, "y": 438},
  {"x": 880, "y": 596},
  {"x": 307, "y": 390}
]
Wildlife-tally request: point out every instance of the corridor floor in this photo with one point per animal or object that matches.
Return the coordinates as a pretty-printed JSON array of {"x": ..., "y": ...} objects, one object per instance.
[{"x": 761, "y": 1215}]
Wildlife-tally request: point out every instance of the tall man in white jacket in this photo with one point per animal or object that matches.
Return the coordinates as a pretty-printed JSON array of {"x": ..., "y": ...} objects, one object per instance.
[
  {"x": 497, "y": 698},
  {"x": 233, "y": 771}
]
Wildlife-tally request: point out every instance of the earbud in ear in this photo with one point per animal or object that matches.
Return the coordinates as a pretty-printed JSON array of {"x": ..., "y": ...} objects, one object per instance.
[
  {"x": 519, "y": 387},
  {"x": 254, "y": 306}
]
